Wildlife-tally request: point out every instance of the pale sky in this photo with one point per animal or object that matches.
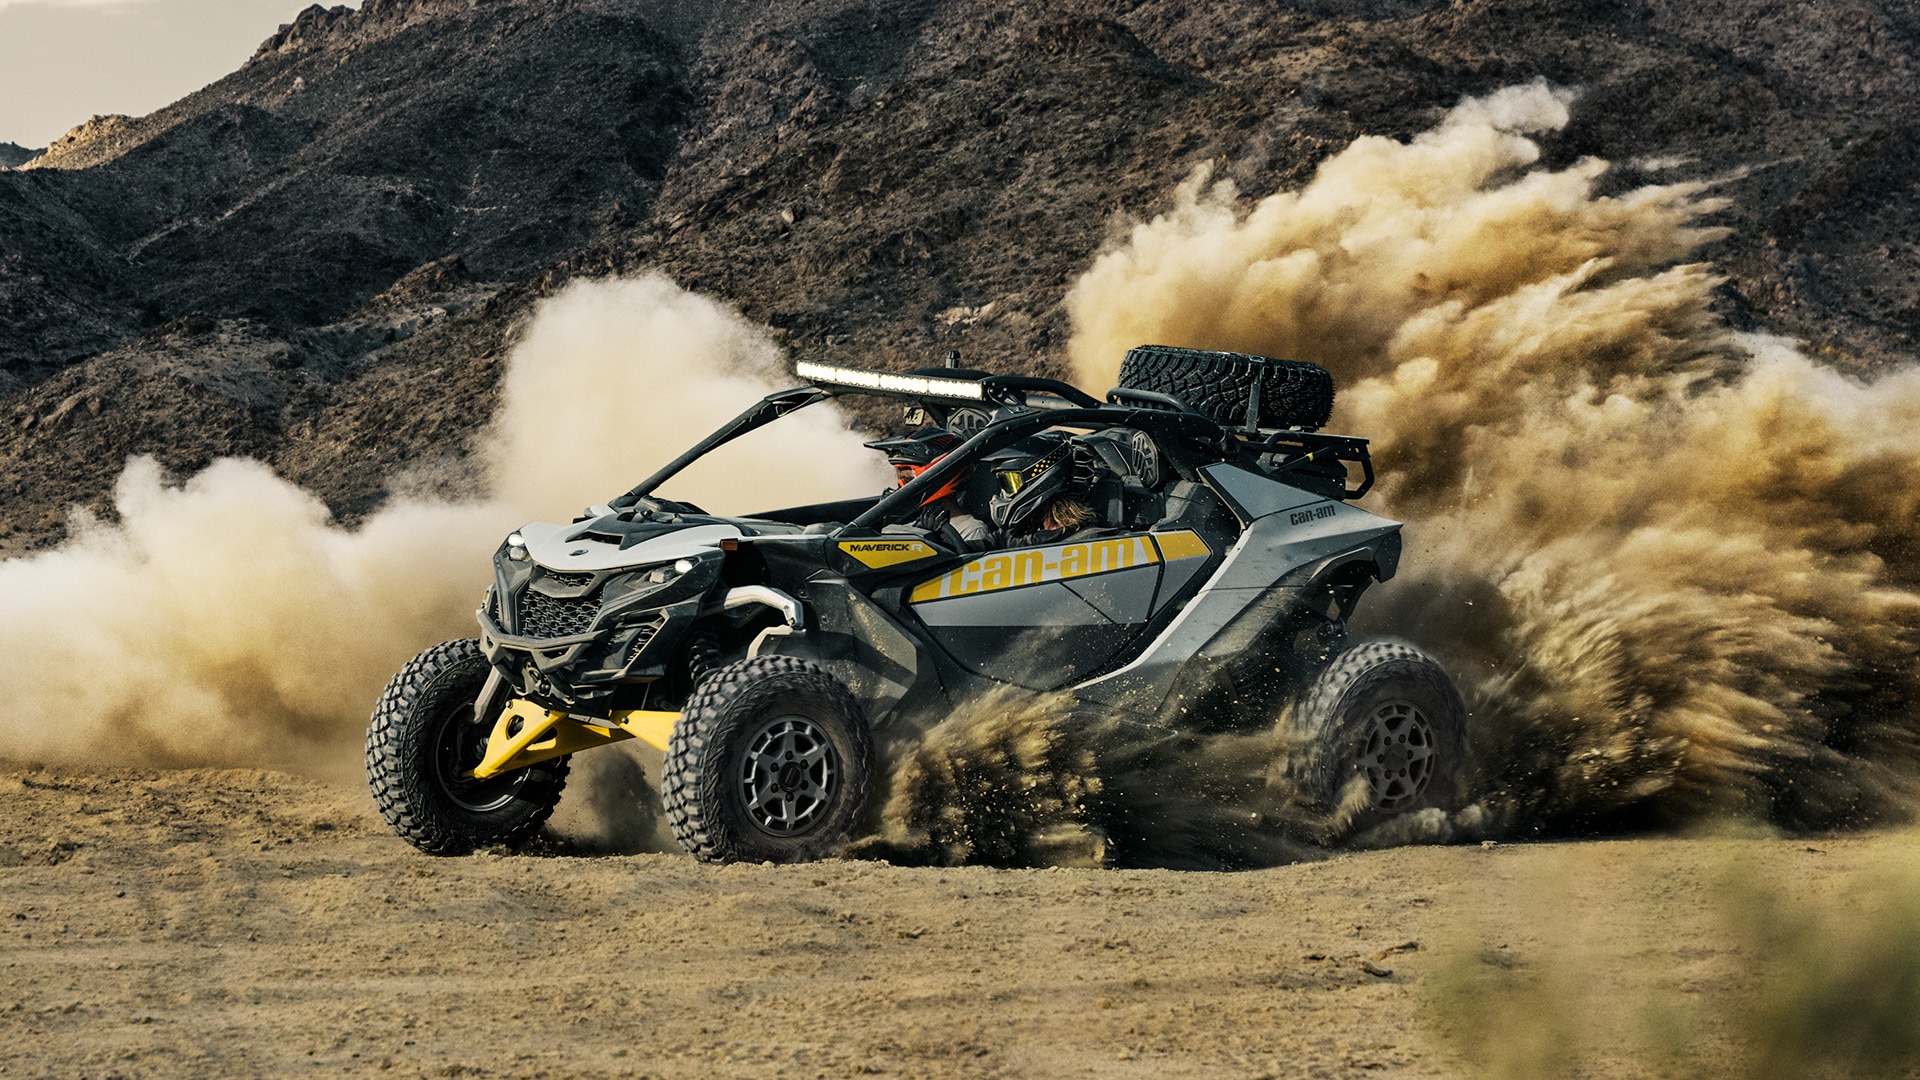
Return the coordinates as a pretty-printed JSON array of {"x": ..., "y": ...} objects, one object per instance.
[{"x": 63, "y": 61}]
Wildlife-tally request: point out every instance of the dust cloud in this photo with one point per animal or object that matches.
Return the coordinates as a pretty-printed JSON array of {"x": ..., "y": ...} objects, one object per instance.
[
  {"x": 1671, "y": 566},
  {"x": 610, "y": 807},
  {"x": 612, "y": 381},
  {"x": 226, "y": 620}
]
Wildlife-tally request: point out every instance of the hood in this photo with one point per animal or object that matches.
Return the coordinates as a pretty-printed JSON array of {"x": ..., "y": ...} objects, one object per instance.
[{"x": 608, "y": 543}]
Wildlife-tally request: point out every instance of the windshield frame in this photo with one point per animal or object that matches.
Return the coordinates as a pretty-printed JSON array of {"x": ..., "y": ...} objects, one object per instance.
[{"x": 1038, "y": 404}]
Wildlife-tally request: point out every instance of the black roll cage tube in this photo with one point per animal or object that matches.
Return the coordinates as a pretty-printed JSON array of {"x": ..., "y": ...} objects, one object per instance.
[
  {"x": 1011, "y": 390},
  {"x": 764, "y": 412},
  {"x": 1166, "y": 415},
  {"x": 1318, "y": 447},
  {"x": 1013, "y": 429},
  {"x": 997, "y": 389}
]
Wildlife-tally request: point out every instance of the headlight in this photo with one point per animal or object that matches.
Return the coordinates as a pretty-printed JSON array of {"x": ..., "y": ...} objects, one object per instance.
[
  {"x": 660, "y": 575},
  {"x": 517, "y": 547},
  {"x": 661, "y": 583}
]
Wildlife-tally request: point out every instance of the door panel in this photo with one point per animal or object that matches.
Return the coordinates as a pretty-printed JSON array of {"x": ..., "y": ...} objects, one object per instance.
[
  {"x": 1124, "y": 598},
  {"x": 1045, "y": 604},
  {"x": 1043, "y": 617}
]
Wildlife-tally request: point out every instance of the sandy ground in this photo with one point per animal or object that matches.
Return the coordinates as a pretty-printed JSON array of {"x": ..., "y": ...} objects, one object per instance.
[{"x": 196, "y": 923}]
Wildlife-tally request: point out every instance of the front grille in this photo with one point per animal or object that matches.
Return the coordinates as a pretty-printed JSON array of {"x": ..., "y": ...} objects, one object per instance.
[
  {"x": 549, "y": 617},
  {"x": 566, "y": 580}
]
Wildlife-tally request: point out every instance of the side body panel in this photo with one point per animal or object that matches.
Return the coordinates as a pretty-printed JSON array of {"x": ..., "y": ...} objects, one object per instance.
[
  {"x": 886, "y": 667},
  {"x": 1289, "y": 537},
  {"x": 1042, "y": 617}
]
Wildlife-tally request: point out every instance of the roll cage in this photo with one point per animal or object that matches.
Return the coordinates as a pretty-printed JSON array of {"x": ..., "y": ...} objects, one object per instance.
[{"x": 1021, "y": 406}]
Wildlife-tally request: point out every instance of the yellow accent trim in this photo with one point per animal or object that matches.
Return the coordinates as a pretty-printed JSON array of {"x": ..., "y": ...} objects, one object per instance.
[
  {"x": 545, "y": 735},
  {"x": 1184, "y": 544},
  {"x": 649, "y": 727},
  {"x": 506, "y": 749},
  {"x": 882, "y": 553},
  {"x": 1031, "y": 566}
]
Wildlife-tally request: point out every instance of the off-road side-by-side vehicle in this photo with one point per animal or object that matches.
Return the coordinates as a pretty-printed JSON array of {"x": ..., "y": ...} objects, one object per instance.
[{"x": 1205, "y": 584}]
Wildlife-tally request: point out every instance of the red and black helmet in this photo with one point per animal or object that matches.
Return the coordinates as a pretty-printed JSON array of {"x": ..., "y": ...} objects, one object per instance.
[{"x": 918, "y": 452}]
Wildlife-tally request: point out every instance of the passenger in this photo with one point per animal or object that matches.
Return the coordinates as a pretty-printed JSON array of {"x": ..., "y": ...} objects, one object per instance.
[
  {"x": 1068, "y": 514},
  {"x": 1037, "y": 496},
  {"x": 911, "y": 455}
]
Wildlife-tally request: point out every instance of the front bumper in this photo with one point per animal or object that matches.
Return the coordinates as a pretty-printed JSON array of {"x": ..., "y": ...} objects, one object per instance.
[{"x": 582, "y": 668}]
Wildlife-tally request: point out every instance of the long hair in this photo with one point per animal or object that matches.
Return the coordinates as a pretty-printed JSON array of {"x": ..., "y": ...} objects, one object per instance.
[{"x": 1069, "y": 513}]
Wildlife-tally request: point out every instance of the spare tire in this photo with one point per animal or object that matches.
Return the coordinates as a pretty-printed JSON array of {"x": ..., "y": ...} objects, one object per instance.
[{"x": 1293, "y": 393}]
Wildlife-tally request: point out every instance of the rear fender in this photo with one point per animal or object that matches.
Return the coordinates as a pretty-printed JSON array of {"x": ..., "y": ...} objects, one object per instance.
[{"x": 1269, "y": 575}]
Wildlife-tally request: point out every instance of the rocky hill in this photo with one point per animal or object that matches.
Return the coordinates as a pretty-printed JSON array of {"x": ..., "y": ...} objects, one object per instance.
[{"x": 319, "y": 259}]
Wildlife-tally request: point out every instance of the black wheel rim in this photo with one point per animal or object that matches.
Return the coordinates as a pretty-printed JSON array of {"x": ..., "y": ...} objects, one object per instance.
[
  {"x": 1397, "y": 755},
  {"x": 459, "y": 744},
  {"x": 788, "y": 776}
]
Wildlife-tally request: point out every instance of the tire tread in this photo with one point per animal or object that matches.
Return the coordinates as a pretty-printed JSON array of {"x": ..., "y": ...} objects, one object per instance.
[
  {"x": 1321, "y": 724},
  {"x": 692, "y": 784},
  {"x": 1293, "y": 393},
  {"x": 401, "y": 793}
]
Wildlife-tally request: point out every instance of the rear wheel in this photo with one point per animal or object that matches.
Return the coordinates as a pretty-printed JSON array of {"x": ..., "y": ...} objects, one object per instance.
[
  {"x": 770, "y": 761},
  {"x": 421, "y": 749},
  {"x": 1381, "y": 724}
]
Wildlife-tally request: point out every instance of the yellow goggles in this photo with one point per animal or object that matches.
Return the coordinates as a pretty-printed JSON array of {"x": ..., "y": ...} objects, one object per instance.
[{"x": 1011, "y": 482}]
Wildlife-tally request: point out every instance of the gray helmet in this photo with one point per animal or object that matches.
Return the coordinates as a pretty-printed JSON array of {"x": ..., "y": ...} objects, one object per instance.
[{"x": 1027, "y": 476}]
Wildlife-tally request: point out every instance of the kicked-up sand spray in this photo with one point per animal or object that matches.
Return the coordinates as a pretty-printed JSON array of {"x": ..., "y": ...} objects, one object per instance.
[
  {"x": 1671, "y": 566},
  {"x": 1019, "y": 780}
]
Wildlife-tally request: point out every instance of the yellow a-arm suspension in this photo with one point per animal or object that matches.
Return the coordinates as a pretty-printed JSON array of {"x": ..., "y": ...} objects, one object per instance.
[{"x": 526, "y": 733}]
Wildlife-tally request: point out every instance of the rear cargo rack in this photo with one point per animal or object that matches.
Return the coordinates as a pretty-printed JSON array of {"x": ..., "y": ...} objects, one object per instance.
[{"x": 1301, "y": 449}]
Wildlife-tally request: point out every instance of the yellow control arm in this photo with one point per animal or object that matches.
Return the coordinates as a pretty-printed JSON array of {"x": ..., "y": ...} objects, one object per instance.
[{"x": 526, "y": 733}]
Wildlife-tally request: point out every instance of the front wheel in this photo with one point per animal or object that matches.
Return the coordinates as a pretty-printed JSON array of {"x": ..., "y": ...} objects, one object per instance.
[
  {"x": 421, "y": 749},
  {"x": 1381, "y": 733},
  {"x": 771, "y": 760}
]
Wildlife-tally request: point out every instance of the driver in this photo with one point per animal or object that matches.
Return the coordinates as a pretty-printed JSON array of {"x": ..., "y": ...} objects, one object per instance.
[{"x": 911, "y": 455}]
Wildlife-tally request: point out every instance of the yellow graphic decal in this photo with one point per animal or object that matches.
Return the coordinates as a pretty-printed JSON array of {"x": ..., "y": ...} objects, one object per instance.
[
  {"x": 1181, "y": 545},
  {"x": 1030, "y": 566},
  {"x": 881, "y": 553}
]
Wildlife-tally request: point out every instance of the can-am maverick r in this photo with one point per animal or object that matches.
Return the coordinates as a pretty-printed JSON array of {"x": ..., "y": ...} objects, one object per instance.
[{"x": 1211, "y": 591}]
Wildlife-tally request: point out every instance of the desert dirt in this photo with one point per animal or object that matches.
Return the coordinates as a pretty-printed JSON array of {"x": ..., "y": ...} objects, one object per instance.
[{"x": 242, "y": 923}]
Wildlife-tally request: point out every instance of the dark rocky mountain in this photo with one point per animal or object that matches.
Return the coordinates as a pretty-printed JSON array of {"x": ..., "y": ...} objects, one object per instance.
[
  {"x": 13, "y": 154},
  {"x": 320, "y": 259}
]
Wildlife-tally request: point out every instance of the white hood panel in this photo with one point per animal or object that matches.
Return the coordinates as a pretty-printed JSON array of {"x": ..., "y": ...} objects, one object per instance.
[{"x": 551, "y": 547}]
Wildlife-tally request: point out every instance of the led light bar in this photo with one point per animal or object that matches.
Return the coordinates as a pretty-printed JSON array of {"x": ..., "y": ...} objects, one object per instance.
[{"x": 888, "y": 382}]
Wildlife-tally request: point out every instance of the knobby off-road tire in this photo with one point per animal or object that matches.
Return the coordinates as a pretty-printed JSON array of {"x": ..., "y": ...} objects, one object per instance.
[
  {"x": 423, "y": 737},
  {"x": 1293, "y": 393},
  {"x": 1385, "y": 716},
  {"x": 771, "y": 760}
]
